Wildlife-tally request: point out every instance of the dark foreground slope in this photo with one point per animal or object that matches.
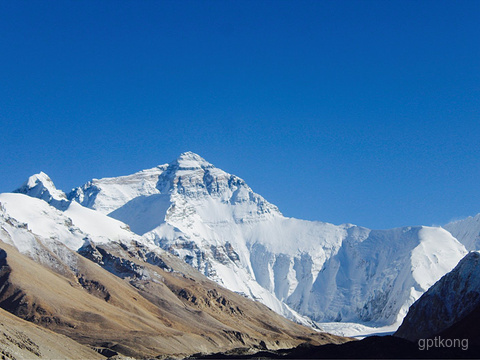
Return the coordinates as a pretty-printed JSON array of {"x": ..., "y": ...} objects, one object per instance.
[
  {"x": 466, "y": 328},
  {"x": 374, "y": 347},
  {"x": 145, "y": 305}
]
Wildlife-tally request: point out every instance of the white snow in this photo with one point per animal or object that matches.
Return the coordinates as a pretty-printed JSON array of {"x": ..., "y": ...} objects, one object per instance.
[
  {"x": 72, "y": 227},
  {"x": 42, "y": 219},
  {"x": 357, "y": 330},
  {"x": 432, "y": 258},
  {"x": 108, "y": 194},
  {"x": 100, "y": 227},
  {"x": 467, "y": 231}
]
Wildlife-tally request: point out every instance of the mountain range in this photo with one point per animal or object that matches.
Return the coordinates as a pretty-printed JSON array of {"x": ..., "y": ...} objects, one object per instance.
[
  {"x": 177, "y": 236},
  {"x": 84, "y": 275}
]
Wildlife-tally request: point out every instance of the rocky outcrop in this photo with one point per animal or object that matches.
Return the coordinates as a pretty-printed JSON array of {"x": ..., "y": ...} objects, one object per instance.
[{"x": 453, "y": 299}]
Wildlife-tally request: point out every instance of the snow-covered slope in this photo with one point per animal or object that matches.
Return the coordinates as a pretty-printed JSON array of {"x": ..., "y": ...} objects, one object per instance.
[
  {"x": 377, "y": 278},
  {"x": 451, "y": 299},
  {"x": 106, "y": 195},
  {"x": 216, "y": 223},
  {"x": 30, "y": 224},
  {"x": 49, "y": 235},
  {"x": 72, "y": 227},
  {"x": 467, "y": 231}
]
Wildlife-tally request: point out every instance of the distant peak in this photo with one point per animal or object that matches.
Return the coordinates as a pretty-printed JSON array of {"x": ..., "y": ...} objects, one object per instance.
[
  {"x": 41, "y": 177},
  {"x": 190, "y": 160},
  {"x": 41, "y": 186}
]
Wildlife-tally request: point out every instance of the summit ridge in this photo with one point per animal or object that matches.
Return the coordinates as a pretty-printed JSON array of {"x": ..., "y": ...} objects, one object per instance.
[{"x": 191, "y": 160}]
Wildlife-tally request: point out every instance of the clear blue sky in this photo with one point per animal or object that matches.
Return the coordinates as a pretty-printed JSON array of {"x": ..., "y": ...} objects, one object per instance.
[{"x": 342, "y": 111}]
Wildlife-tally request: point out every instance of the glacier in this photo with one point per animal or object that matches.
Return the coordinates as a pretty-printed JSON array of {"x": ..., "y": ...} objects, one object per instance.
[{"x": 309, "y": 271}]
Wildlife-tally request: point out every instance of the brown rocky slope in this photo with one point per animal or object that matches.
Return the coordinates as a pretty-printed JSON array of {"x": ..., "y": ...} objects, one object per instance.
[
  {"x": 145, "y": 305},
  {"x": 20, "y": 339}
]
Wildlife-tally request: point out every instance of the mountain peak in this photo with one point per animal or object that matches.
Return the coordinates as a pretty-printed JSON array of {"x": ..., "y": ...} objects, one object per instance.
[
  {"x": 190, "y": 160},
  {"x": 41, "y": 186},
  {"x": 40, "y": 177}
]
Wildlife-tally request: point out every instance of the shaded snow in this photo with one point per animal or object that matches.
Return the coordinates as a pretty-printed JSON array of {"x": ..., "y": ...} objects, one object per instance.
[
  {"x": 467, "y": 231},
  {"x": 143, "y": 213}
]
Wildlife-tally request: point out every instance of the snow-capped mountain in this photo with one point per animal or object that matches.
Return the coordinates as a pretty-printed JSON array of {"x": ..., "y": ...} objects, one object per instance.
[
  {"x": 216, "y": 223},
  {"x": 83, "y": 274}
]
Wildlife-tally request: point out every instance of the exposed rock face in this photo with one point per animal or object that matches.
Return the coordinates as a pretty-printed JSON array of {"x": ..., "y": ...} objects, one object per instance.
[{"x": 452, "y": 299}]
